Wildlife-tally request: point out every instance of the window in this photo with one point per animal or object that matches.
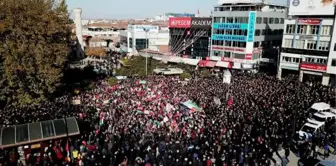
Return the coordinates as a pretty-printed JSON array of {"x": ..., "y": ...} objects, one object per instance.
[
  {"x": 299, "y": 44},
  {"x": 324, "y": 46},
  {"x": 216, "y": 53},
  {"x": 227, "y": 54},
  {"x": 263, "y": 32},
  {"x": 296, "y": 60},
  {"x": 238, "y": 56},
  {"x": 282, "y": 20},
  {"x": 325, "y": 30},
  {"x": 335, "y": 47},
  {"x": 265, "y": 20},
  {"x": 239, "y": 44},
  {"x": 257, "y": 32},
  {"x": 301, "y": 29},
  {"x": 276, "y": 21},
  {"x": 290, "y": 28},
  {"x": 229, "y": 20},
  {"x": 313, "y": 30},
  {"x": 228, "y": 43},
  {"x": 141, "y": 44},
  {"x": 259, "y": 19},
  {"x": 286, "y": 59},
  {"x": 271, "y": 21},
  {"x": 319, "y": 60},
  {"x": 309, "y": 60},
  {"x": 217, "y": 20},
  {"x": 287, "y": 43},
  {"x": 255, "y": 44},
  {"x": 241, "y": 20},
  {"x": 311, "y": 44},
  {"x": 333, "y": 62}
]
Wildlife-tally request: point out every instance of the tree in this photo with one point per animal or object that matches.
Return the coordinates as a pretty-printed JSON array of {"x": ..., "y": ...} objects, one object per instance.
[{"x": 33, "y": 48}]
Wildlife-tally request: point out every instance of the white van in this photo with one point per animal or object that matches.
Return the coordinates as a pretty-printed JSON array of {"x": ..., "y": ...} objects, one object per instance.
[
  {"x": 319, "y": 107},
  {"x": 310, "y": 128},
  {"x": 324, "y": 116}
]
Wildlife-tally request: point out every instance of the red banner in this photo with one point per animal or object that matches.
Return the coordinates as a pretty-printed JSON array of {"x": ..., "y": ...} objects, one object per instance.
[
  {"x": 309, "y": 21},
  {"x": 228, "y": 48},
  {"x": 316, "y": 67},
  {"x": 179, "y": 22},
  {"x": 248, "y": 56}
]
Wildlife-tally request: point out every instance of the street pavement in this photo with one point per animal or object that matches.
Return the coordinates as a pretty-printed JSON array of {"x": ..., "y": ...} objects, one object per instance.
[{"x": 293, "y": 159}]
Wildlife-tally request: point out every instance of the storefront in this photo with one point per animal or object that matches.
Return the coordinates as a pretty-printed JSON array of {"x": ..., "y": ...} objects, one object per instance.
[{"x": 312, "y": 72}]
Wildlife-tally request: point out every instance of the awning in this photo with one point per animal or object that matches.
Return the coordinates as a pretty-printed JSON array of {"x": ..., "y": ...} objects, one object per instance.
[
  {"x": 236, "y": 65},
  {"x": 190, "y": 61},
  {"x": 175, "y": 59},
  {"x": 165, "y": 59},
  {"x": 159, "y": 58},
  {"x": 222, "y": 64},
  {"x": 206, "y": 63}
]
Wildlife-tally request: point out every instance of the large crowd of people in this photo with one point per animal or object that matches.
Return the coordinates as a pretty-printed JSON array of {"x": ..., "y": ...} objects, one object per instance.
[{"x": 144, "y": 121}]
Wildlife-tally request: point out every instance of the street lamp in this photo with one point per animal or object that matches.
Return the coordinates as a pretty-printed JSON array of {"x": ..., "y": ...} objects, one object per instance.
[{"x": 146, "y": 31}]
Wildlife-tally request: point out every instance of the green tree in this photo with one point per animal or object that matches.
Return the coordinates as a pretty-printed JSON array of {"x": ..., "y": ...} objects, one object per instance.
[{"x": 34, "y": 38}]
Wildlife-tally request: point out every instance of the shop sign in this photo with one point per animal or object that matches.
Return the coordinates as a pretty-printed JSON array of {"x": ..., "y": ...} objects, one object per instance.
[
  {"x": 248, "y": 56},
  {"x": 315, "y": 67},
  {"x": 225, "y": 59},
  {"x": 228, "y": 48},
  {"x": 201, "y": 22},
  {"x": 311, "y": 7},
  {"x": 179, "y": 22},
  {"x": 310, "y": 21}
]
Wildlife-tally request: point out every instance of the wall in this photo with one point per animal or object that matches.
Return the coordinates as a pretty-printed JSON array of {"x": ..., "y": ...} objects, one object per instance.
[{"x": 331, "y": 67}]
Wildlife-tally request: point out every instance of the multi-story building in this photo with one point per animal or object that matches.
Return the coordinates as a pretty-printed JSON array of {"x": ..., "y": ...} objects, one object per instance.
[
  {"x": 246, "y": 32},
  {"x": 190, "y": 36},
  {"x": 139, "y": 37},
  {"x": 306, "y": 42}
]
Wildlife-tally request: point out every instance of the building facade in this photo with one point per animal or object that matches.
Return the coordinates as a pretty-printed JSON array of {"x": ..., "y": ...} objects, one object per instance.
[
  {"x": 307, "y": 48},
  {"x": 246, "y": 34},
  {"x": 135, "y": 38},
  {"x": 190, "y": 36}
]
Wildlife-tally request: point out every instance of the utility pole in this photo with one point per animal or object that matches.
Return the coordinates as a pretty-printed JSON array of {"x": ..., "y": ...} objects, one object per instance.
[{"x": 146, "y": 31}]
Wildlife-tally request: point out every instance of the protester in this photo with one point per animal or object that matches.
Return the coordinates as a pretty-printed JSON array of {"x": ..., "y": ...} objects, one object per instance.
[{"x": 142, "y": 121}]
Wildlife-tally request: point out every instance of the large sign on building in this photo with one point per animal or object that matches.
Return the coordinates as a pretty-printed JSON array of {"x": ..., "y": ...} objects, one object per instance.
[
  {"x": 229, "y": 26},
  {"x": 201, "y": 22},
  {"x": 179, "y": 22},
  {"x": 312, "y": 7},
  {"x": 251, "y": 26},
  {"x": 142, "y": 28}
]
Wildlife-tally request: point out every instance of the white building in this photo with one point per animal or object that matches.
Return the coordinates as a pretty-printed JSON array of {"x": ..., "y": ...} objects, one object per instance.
[
  {"x": 134, "y": 38},
  {"x": 100, "y": 32},
  {"x": 306, "y": 48},
  {"x": 245, "y": 32}
]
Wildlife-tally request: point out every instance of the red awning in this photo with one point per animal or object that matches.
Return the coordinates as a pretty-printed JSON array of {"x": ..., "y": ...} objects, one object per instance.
[{"x": 206, "y": 63}]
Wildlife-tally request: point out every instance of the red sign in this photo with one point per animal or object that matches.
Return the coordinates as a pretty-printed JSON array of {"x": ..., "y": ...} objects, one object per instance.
[
  {"x": 228, "y": 48},
  {"x": 315, "y": 67},
  {"x": 225, "y": 59},
  {"x": 309, "y": 21},
  {"x": 179, "y": 22},
  {"x": 248, "y": 56}
]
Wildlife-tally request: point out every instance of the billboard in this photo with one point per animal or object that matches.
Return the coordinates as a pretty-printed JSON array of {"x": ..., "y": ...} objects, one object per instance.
[
  {"x": 311, "y": 7},
  {"x": 140, "y": 28},
  {"x": 179, "y": 22},
  {"x": 229, "y": 26},
  {"x": 251, "y": 27},
  {"x": 201, "y": 22},
  {"x": 229, "y": 37}
]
